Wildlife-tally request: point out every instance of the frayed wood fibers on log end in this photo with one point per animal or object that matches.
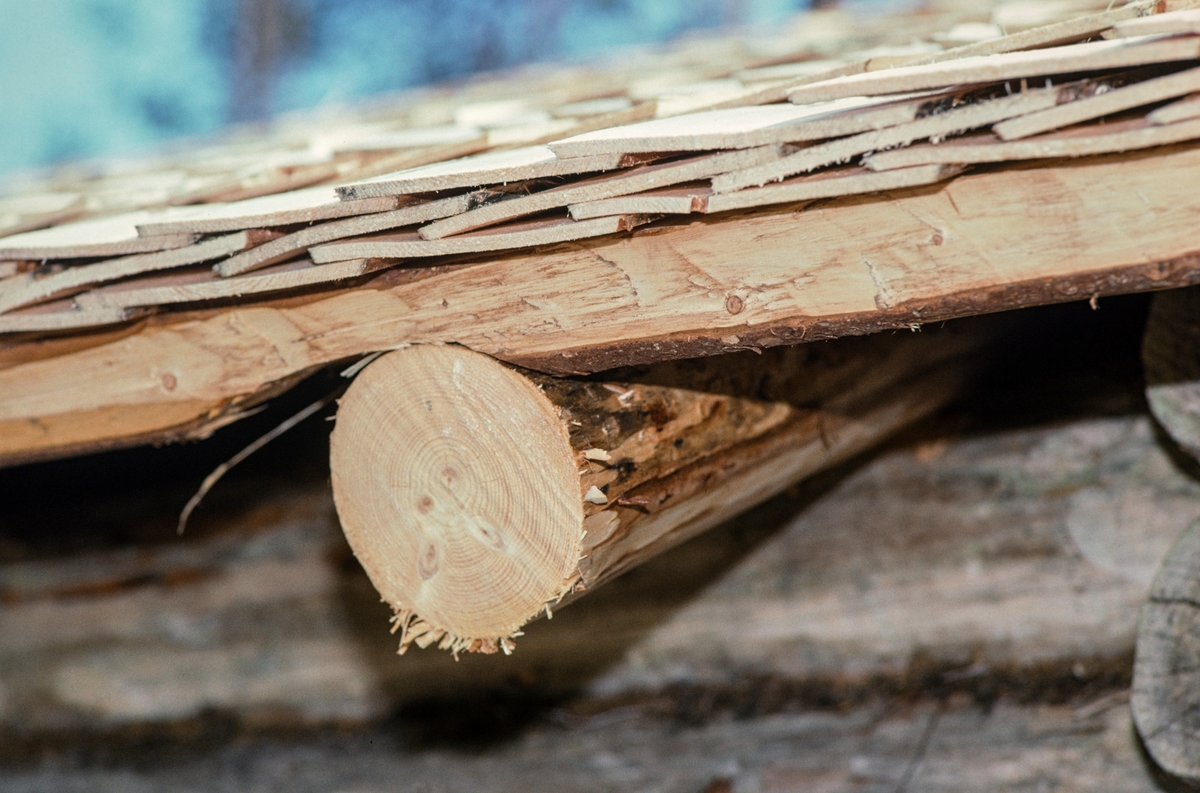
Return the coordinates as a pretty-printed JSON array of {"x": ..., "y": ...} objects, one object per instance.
[{"x": 458, "y": 465}]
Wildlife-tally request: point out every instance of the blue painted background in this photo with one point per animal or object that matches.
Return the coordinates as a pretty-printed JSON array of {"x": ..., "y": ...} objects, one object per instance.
[{"x": 80, "y": 78}]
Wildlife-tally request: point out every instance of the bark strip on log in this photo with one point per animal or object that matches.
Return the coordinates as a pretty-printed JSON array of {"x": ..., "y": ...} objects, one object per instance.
[{"x": 477, "y": 496}]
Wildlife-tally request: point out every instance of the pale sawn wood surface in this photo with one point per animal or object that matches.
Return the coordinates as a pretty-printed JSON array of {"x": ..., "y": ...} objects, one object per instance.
[{"x": 457, "y": 489}]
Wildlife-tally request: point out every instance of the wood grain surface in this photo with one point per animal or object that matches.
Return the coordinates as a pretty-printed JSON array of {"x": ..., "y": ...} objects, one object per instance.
[{"x": 985, "y": 242}]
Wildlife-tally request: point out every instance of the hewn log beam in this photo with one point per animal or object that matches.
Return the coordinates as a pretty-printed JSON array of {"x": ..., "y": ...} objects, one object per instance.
[{"x": 985, "y": 242}]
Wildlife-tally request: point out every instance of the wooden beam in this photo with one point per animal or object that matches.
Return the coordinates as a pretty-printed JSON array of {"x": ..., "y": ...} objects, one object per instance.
[
  {"x": 450, "y": 469},
  {"x": 984, "y": 242}
]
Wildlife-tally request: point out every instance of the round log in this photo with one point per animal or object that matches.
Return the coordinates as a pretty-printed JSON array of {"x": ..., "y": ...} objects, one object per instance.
[
  {"x": 458, "y": 465},
  {"x": 1166, "y": 666},
  {"x": 478, "y": 496}
]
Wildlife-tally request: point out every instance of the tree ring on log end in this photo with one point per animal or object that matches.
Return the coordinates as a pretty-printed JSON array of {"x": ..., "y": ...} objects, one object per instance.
[{"x": 458, "y": 491}]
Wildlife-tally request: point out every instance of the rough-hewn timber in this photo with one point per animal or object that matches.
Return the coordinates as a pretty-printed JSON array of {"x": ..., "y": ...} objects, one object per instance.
[{"x": 985, "y": 242}]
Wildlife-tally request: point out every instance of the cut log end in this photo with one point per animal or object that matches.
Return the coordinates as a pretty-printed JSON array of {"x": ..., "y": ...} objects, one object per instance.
[
  {"x": 477, "y": 496},
  {"x": 459, "y": 493}
]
